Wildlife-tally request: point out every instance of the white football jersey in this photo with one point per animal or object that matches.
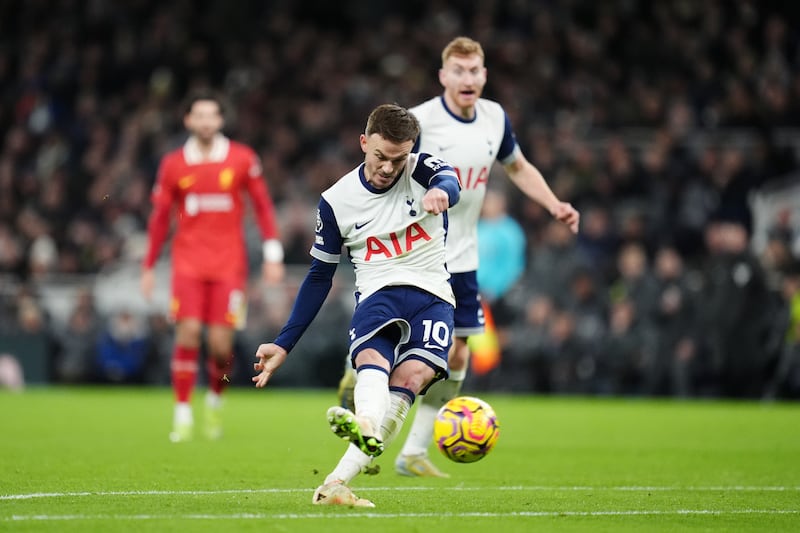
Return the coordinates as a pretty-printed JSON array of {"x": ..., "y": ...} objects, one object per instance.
[
  {"x": 471, "y": 147},
  {"x": 391, "y": 239}
]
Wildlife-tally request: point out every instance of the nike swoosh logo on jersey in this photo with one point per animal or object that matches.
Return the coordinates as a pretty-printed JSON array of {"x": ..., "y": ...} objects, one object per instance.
[
  {"x": 445, "y": 148},
  {"x": 360, "y": 225}
]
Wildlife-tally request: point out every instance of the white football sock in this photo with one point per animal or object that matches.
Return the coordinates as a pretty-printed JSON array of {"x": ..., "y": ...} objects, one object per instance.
[
  {"x": 457, "y": 376},
  {"x": 213, "y": 400},
  {"x": 183, "y": 413},
  {"x": 371, "y": 396},
  {"x": 349, "y": 466},
  {"x": 421, "y": 433},
  {"x": 395, "y": 416}
]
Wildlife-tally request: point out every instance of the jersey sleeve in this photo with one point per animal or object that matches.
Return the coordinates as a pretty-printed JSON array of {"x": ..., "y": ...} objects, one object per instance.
[
  {"x": 263, "y": 207},
  {"x": 508, "y": 146},
  {"x": 162, "y": 198},
  {"x": 328, "y": 239},
  {"x": 434, "y": 172}
]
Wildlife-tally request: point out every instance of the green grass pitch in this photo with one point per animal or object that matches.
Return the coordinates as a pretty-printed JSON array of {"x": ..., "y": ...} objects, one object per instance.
[{"x": 98, "y": 459}]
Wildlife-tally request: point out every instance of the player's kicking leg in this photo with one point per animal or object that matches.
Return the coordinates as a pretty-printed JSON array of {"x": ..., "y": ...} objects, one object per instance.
[
  {"x": 363, "y": 433},
  {"x": 354, "y": 461},
  {"x": 359, "y": 432},
  {"x": 335, "y": 491},
  {"x": 372, "y": 399}
]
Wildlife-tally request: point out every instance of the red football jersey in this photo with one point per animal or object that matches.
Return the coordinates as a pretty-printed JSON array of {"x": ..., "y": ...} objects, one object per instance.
[{"x": 207, "y": 195}]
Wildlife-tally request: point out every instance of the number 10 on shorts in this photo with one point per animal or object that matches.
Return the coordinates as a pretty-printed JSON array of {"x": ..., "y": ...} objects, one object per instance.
[{"x": 437, "y": 332}]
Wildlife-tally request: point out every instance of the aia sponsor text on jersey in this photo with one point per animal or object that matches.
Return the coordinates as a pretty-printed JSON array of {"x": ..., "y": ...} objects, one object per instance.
[
  {"x": 473, "y": 177},
  {"x": 395, "y": 245}
]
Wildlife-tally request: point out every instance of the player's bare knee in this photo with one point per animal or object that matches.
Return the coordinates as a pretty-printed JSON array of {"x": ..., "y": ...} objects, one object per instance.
[
  {"x": 370, "y": 356},
  {"x": 220, "y": 342},
  {"x": 188, "y": 333},
  {"x": 220, "y": 353},
  {"x": 412, "y": 375}
]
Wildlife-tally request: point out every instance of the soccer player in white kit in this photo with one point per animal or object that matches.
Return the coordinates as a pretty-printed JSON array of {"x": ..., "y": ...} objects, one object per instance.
[
  {"x": 390, "y": 213},
  {"x": 471, "y": 133}
]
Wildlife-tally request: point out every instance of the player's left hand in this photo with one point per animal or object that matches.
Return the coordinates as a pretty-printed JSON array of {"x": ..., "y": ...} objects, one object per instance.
[
  {"x": 273, "y": 272},
  {"x": 564, "y": 212},
  {"x": 270, "y": 357},
  {"x": 435, "y": 201}
]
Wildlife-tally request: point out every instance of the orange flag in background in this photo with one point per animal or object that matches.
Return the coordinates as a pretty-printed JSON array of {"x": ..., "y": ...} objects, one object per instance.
[{"x": 485, "y": 348}]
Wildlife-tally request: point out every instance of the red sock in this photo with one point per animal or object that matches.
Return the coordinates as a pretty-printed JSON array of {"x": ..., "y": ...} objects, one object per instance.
[
  {"x": 184, "y": 372},
  {"x": 219, "y": 373}
]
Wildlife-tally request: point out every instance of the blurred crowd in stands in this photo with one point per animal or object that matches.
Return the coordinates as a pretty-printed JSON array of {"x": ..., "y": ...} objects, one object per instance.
[{"x": 658, "y": 120}]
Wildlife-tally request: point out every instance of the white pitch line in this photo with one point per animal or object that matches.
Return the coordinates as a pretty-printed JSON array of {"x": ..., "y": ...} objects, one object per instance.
[
  {"x": 372, "y": 514},
  {"x": 623, "y": 488}
]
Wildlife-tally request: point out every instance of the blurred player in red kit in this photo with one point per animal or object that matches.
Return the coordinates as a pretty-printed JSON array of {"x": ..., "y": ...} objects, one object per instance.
[{"x": 204, "y": 183}]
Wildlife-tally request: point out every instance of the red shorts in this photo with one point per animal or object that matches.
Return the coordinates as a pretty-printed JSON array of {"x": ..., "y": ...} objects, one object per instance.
[{"x": 212, "y": 302}]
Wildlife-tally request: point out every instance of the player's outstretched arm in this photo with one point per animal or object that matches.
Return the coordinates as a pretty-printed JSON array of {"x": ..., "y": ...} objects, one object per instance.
[
  {"x": 531, "y": 182},
  {"x": 270, "y": 357}
]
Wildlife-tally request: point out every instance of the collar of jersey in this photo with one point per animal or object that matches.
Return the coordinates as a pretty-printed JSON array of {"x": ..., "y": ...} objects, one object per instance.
[
  {"x": 219, "y": 150},
  {"x": 372, "y": 189},
  {"x": 460, "y": 119}
]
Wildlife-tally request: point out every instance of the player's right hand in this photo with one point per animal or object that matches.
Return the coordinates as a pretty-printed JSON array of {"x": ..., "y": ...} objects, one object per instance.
[
  {"x": 147, "y": 283},
  {"x": 270, "y": 356},
  {"x": 435, "y": 201}
]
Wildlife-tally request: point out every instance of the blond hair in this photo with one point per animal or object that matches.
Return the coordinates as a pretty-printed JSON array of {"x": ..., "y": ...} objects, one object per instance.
[{"x": 462, "y": 46}]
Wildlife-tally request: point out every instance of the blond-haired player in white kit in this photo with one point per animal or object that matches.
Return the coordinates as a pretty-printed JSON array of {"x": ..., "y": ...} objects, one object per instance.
[{"x": 470, "y": 133}]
